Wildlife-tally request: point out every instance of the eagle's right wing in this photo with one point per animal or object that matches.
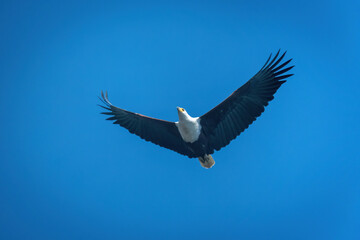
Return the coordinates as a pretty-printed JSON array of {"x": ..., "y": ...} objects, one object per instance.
[{"x": 159, "y": 132}]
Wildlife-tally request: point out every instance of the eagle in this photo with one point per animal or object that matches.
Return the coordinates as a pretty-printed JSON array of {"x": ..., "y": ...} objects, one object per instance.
[{"x": 199, "y": 137}]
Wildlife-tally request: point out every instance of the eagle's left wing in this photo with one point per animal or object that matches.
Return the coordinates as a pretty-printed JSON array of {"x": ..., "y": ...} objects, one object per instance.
[{"x": 231, "y": 117}]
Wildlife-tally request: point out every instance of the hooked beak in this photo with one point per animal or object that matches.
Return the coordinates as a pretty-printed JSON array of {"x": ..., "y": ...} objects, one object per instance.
[{"x": 180, "y": 110}]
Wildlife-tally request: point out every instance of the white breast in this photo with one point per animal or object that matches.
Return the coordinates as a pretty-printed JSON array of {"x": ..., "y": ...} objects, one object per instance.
[{"x": 189, "y": 129}]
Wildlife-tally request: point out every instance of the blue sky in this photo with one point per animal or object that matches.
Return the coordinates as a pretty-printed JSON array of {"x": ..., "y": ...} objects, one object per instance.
[{"x": 66, "y": 173}]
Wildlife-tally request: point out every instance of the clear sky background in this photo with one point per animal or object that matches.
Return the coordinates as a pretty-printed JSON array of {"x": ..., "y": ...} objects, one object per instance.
[{"x": 66, "y": 173}]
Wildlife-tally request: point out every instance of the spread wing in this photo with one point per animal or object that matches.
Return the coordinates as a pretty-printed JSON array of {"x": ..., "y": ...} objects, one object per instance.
[
  {"x": 160, "y": 132},
  {"x": 231, "y": 117}
]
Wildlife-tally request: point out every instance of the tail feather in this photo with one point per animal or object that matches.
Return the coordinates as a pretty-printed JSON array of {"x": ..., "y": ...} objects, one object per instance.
[{"x": 207, "y": 161}]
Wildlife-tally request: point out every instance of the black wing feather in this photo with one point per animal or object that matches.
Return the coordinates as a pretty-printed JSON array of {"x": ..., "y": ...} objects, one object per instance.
[
  {"x": 231, "y": 117},
  {"x": 159, "y": 132}
]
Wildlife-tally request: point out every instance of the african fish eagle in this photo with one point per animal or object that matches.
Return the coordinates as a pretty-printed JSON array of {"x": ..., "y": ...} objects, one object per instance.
[{"x": 199, "y": 137}]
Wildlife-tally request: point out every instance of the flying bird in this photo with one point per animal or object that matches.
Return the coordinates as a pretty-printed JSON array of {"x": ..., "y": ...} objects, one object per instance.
[{"x": 199, "y": 137}]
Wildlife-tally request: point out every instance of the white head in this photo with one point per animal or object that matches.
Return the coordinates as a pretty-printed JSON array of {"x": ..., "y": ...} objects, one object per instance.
[{"x": 182, "y": 113}]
